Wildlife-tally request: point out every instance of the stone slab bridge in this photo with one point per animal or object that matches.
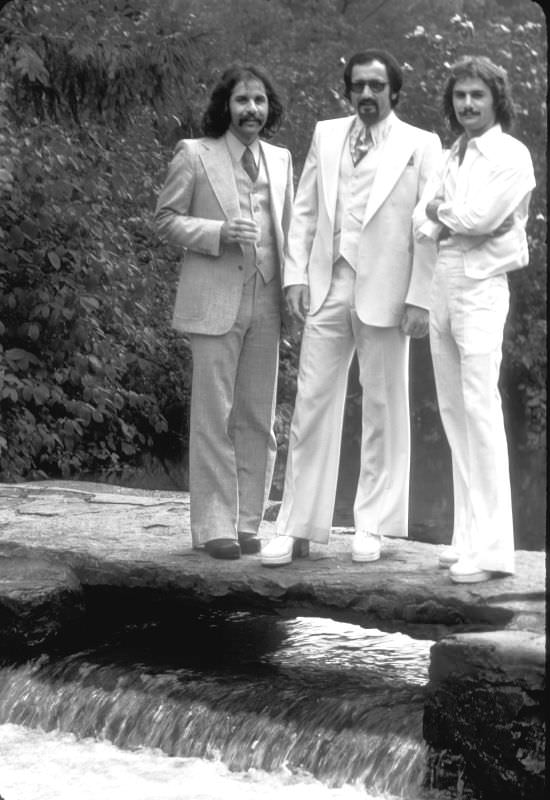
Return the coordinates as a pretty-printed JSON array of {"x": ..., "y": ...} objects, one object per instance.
[{"x": 79, "y": 559}]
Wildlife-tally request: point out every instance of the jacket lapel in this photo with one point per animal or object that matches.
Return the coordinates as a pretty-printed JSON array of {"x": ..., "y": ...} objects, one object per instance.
[
  {"x": 398, "y": 150},
  {"x": 330, "y": 157},
  {"x": 219, "y": 170}
]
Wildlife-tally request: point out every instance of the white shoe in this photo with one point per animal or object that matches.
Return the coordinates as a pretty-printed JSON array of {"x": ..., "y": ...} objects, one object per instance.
[
  {"x": 448, "y": 556},
  {"x": 466, "y": 571},
  {"x": 281, "y": 549},
  {"x": 366, "y": 546}
]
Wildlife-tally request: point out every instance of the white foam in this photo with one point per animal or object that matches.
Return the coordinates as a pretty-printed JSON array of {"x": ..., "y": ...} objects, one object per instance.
[{"x": 57, "y": 766}]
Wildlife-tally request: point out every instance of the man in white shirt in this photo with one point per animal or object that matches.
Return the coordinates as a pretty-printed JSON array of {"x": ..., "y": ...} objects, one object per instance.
[
  {"x": 357, "y": 279},
  {"x": 226, "y": 203},
  {"x": 476, "y": 208}
]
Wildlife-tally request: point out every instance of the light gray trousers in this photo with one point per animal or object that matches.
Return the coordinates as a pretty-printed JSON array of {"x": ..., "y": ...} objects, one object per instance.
[{"x": 231, "y": 445}]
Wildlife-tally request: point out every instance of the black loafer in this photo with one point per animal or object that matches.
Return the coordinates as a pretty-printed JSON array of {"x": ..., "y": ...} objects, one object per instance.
[
  {"x": 250, "y": 543},
  {"x": 223, "y": 548}
]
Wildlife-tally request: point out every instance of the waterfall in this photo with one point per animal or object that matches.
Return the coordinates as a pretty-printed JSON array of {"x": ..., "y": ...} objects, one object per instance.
[{"x": 337, "y": 703}]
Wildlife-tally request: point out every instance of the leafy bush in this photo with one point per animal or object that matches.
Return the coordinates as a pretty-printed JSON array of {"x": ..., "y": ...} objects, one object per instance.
[{"x": 87, "y": 363}]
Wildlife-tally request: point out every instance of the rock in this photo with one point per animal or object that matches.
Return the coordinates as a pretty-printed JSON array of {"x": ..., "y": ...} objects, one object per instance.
[
  {"x": 484, "y": 714},
  {"x": 138, "y": 544},
  {"x": 40, "y": 601}
]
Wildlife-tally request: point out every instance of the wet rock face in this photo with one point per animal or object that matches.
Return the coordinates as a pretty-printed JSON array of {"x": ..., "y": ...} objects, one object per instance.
[
  {"x": 40, "y": 601},
  {"x": 484, "y": 714}
]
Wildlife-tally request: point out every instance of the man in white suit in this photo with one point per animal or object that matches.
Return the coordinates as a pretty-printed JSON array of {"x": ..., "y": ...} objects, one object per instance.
[
  {"x": 226, "y": 203},
  {"x": 358, "y": 280},
  {"x": 476, "y": 208}
]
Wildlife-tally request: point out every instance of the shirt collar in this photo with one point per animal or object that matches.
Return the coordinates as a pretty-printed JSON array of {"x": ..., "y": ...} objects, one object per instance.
[
  {"x": 484, "y": 143},
  {"x": 236, "y": 147},
  {"x": 379, "y": 131}
]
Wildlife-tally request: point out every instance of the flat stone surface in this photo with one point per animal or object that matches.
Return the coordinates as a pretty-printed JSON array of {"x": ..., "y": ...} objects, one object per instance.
[
  {"x": 128, "y": 539},
  {"x": 499, "y": 655}
]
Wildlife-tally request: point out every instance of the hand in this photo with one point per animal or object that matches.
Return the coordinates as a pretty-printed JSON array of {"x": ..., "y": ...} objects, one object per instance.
[
  {"x": 432, "y": 207},
  {"x": 414, "y": 322},
  {"x": 239, "y": 231},
  {"x": 297, "y": 301}
]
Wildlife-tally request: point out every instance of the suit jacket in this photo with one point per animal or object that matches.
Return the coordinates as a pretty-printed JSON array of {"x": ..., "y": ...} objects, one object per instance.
[
  {"x": 392, "y": 268},
  {"x": 199, "y": 195}
]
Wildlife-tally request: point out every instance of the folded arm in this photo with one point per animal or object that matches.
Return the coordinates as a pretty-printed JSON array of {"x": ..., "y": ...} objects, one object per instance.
[{"x": 489, "y": 201}]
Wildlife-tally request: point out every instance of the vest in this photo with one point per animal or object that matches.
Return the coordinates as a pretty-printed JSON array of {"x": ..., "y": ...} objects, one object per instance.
[
  {"x": 354, "y": 188},
  {"x": 255, "y": 203}
]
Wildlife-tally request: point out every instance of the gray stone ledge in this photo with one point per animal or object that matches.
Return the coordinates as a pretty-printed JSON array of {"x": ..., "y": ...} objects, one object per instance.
[{"x": 111, "y": 538}]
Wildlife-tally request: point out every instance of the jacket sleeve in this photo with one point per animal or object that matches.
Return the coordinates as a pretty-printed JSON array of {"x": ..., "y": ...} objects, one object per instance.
[
  {"x": 422, "y": 225},
  {"x": 424, "y": 249},
  {"x": 173, "y": 220},
  {"x": 303, "y": 223}
]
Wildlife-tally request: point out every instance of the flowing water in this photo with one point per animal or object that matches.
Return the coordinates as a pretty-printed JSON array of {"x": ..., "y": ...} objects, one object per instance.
[{"x": 220, "y": 706}]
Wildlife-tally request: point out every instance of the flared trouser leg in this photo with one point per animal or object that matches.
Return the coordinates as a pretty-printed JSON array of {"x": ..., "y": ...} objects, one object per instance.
[
  {"x": 467, "y": 320},
  {"x": 382, "y": 499},
  {"x": 316, "y": 430},
  {"x": 232, "y": 446}
]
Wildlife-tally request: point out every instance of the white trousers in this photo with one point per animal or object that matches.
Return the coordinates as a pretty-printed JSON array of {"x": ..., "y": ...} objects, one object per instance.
[
  {"x": 232, "y": 447},
  {"x": 467, "y": 319},
  {"x": 329, "y": 340}
]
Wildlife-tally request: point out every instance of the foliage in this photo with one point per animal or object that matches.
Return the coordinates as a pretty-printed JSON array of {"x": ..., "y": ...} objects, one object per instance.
[
  {"x": 86, "y": 364},
  {"x": 95, "y": 60}
]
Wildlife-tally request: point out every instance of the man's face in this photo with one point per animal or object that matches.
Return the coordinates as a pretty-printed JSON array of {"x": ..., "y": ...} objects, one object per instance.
[
  {"x": 248, "y": 109},
  {"x": 371, "y": 101},
  {"x": 473, "y": 106}
]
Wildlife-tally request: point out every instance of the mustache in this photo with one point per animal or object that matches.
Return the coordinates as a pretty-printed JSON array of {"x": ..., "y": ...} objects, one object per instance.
[
  {"x": 250, "y": 118},
  {"x": 368, "y": 104}
]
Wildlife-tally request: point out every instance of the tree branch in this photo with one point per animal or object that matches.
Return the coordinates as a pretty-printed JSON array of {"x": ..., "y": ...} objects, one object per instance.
[{"x": 374, "y": 10}]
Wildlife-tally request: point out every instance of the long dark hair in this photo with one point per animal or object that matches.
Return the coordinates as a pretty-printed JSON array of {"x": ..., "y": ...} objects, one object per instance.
[
  {"x": 216, "y": 118},
  {"x": 395, "y": 74},
  {"x": 496, "y": 79}
]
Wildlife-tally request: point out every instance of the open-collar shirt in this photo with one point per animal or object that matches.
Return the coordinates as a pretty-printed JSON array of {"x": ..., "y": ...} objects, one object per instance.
[
  {"x": 493, "y": 181},
  {"x": 491, "y": 185}
]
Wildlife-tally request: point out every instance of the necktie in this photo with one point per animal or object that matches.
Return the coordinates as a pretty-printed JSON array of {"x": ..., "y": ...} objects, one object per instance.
[
  {"x": 249, "y": 164},
  {"x": 360, "y": 146}
]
